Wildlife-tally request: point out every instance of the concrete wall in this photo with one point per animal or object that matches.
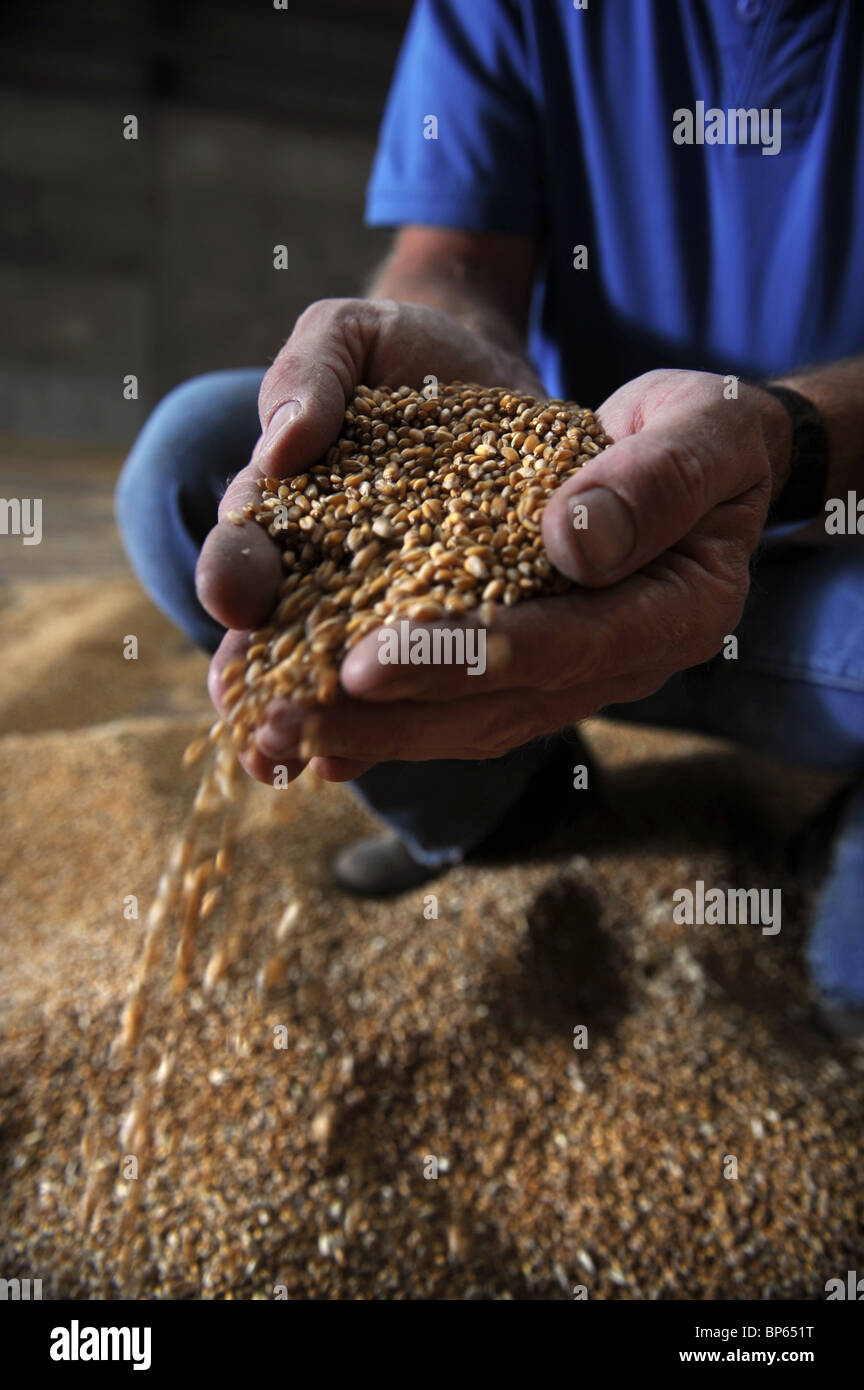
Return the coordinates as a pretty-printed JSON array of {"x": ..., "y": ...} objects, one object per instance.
[{"x": 155, "y": 256}]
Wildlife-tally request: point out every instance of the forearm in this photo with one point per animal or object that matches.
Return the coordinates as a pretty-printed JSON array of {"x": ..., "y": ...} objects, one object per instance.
[
  {"x": 465, "y": 301},
  {"x": 484, "y": 282}
]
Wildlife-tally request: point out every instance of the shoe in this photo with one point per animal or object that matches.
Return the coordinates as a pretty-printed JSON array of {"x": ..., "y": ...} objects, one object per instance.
[{"x": 380, "y": 866}]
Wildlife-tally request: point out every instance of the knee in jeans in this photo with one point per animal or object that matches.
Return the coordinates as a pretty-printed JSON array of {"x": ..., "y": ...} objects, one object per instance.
[{"x": 173, "y": 434}]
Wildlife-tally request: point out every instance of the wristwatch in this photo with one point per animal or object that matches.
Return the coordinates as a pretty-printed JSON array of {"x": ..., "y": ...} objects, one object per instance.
[{"x": 803, "y": 495}]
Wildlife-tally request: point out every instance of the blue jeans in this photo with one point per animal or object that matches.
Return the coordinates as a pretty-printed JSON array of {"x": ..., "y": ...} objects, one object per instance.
[{"x": 796, "y": 690}]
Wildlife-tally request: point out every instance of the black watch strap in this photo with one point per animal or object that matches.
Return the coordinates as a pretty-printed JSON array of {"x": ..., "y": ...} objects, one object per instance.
[{"x": 803, "y": 496}]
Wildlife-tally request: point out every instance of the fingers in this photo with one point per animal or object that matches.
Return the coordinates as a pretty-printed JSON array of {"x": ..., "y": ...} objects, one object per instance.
[
  {"x": 271, "y": 770},
  {"x": 486, "y": 726},
  {"x": 472, "y": 659},
  {"x": 695, "y": 451},
  {"x": 253, "y": 761},
  {"x": 682, "y": 604},
  {"x": 344, "y": 739},
  {"x": 338, "y": 769},
  {"x": 258, "y": 764},
  {"x": 232, "y": 646}
]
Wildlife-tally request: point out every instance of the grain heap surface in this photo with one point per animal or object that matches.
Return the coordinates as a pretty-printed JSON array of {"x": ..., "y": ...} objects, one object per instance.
[{"x": 302, "y": 1165}]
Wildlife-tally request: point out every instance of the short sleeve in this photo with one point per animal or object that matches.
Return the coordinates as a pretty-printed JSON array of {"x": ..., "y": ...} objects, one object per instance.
[{"x": 458, "y": 141}]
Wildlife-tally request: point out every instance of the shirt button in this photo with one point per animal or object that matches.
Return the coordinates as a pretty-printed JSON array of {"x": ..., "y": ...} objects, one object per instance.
[{"x": 748, "y": 10}]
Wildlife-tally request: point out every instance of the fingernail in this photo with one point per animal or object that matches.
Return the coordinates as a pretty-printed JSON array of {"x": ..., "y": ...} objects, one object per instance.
[
  {"x": 278, "y": 423},
  {"x": 604, "y": 533},
  {"x": 274, "y": 745}
]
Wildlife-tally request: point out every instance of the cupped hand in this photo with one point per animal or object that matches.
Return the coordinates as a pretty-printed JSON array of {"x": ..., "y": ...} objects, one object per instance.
[
  {"x": 336, "y": 345},
  {"x": 673, "y": 513}
]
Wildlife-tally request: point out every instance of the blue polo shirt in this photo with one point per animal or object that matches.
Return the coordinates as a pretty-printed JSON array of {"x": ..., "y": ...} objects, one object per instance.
[{"x": 570, "y": 126}]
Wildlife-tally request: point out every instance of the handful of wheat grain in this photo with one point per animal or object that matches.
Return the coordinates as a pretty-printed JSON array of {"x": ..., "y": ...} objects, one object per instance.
[{"x": 422, "y": 509}]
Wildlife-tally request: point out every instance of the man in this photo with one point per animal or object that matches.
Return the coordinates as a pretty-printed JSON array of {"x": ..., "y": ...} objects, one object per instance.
[{"x": 668, "y": 197}]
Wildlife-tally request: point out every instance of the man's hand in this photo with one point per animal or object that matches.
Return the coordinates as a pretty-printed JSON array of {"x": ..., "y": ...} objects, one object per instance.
[
  {"x": 337, "y": 344},
  {"x": 675, "y": 509}
]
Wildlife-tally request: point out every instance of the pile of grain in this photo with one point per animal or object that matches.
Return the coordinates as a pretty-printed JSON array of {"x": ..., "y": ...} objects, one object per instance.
[{"x": 408, "y": 1037}]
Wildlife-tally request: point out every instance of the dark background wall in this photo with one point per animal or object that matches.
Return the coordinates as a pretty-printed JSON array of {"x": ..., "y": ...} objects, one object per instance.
[{"x": 155, "y": 256}]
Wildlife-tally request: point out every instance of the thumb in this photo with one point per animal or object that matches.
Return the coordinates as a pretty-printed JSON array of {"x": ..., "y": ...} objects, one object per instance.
[
  {"x": 304, "y": 394},
  {"x": 635, "y": 500},
  {"x": 301, "y": 406}
]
